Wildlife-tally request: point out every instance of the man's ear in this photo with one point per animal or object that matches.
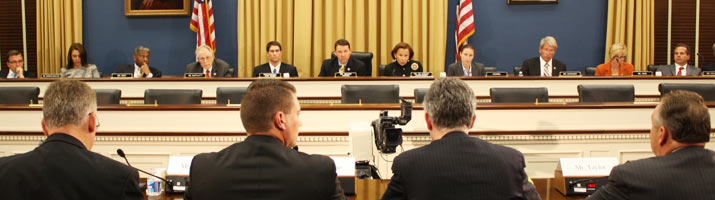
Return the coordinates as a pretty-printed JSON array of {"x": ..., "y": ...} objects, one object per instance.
[
  {"x": 92, "y": 122},
  {"x": 278, "y": 120},
  {"x": 428, "y": 120},
  {"x": 44, "y": 127},
  {"x": 474, "y": 119},
  {"x": 663, "y": 135}
]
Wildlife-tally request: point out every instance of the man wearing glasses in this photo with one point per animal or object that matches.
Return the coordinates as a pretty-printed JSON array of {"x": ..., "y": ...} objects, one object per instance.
[
  {"x": 15, "y": 66},
  {"x": 208, "y": 64},
  {"x": 63, "y": 167}
]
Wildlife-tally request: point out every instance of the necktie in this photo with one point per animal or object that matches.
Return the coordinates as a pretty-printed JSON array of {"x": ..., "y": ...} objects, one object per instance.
[
  {"x": 275, "y": 71},
  {"x": 546, "y": 70},
  {"x": 342, "y": 69},
  {"x": 680, "y": 71},
  {"x": 208, "y": 73}
]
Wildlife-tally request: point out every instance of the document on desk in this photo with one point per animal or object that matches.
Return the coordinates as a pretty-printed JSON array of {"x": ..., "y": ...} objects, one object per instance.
[
  {"x": 344, "y": 166},
  {"x": 179, "y": 165}
]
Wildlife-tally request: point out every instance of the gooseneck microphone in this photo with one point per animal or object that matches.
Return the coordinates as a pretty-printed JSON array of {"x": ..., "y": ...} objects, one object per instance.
[{"x": 121, "y": 154}]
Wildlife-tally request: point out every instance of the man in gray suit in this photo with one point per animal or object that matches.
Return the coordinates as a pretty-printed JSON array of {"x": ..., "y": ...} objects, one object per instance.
[
  {"x": 467, "y": 66},
  {"x": 208, "y": 64},
  {"x": 682, "y": 168},
  {"x": 681, "y": 55}
]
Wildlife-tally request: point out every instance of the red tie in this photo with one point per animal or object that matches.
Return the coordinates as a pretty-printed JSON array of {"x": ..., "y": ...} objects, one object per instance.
[
  {"x": 680, "y": 71},
  {"x": 208, "y": 74}
]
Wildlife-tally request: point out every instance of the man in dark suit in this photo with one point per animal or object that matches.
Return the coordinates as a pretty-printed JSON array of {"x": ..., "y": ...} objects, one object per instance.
[
  {"x": 343, "y": 62},
  {"x": 455, "y": 165},
  {"x": 15, "y": 66},
  {"x": 140, "y": 68},
  {"x": 63, "y": 167},
  {"x": 208, "y": 64},
  {"x": 545, "y": 64},
  {"x": 682, "y": 168},
  {"x": 274, "y": 50},
  {"x": 466, "y": 55},
  {"x": 265, "y": 165},
  {"x": 710, "y": 67},
  {"x": 681, "y": 55}
]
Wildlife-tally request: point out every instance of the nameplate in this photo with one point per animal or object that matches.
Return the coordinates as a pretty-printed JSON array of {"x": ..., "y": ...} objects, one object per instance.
[
  {"x": 344, "y": 166},
  {"x": 345, "y": 74},
  {"x": 642, "y": 73},
  {"x": 194, "y": 75},
  {"x": 122, "y": 76},
  {"x": 269, "y": 75},
  {"x": 51, "y": 76},
  {"x": 500, "y": 73},
  {"x": 421, "y": 74},
  {"x": 179, "y": 165},
  {"x": 570, "y": 74},
  {"x": 595, "y": 166},
  {"x": 708, "y": 73}
]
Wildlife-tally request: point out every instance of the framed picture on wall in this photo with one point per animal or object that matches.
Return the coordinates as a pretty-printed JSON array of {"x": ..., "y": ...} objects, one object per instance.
[
  {"x": 157, "y": 8},
  {"x": 511, "y": 2}
]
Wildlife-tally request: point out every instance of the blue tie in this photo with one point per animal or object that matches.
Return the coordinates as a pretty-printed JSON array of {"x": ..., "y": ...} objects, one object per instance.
[{"x": 275, "y": 71}]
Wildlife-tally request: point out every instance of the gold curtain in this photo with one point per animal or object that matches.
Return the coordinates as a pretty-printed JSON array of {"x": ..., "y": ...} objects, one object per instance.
[
  {"x": 59, "y": 24},
  {"x": 631, "y": 22},
  {"x": 307, "y": 29}
]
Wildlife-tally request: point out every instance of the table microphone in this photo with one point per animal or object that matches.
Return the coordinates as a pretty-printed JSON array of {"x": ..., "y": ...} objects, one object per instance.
[{"x": 121, "y": 154}]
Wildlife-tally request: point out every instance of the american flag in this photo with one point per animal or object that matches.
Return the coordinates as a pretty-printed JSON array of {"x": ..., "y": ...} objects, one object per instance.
[
  {"x": 202, "y": 22},
  {"x": 464, "y": 25}
]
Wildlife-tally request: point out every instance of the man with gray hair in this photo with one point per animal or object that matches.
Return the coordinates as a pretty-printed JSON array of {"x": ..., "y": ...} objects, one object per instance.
[
  {"x": 545, "y": 64},
  {"x": 710, "y": 67},
  {"x": 208, "y": 64},
  {"x": 63, "y": 167},
  {"x": 141, "y": 68},
  {"x": 455, "y": 165},
  {"x": 682, "y": 167}
]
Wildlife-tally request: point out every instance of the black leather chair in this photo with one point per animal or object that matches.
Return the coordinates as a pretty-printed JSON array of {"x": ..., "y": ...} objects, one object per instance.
[
  {"x": 517, "y": 69},
  {"x": 490, "y": 69},
  {"x": 705, "y": 90},
  {"x": 606, "y": 93},
  {"x": 108, "y": 96},
  {"x": 232, "y": 71},
  {"x": 590, "y": 71},
  {"x": 420, "y": 94},
  {"x": 365, "y": 57},
  {"x": 19, "y": 95},
  {"x": 519, "y": 95},
  {"x": 235, "y": 94},
  {"x": 381, "y": 70},
  {"x": 172, "y": 96},
  {"x": 370, "y": 93}
]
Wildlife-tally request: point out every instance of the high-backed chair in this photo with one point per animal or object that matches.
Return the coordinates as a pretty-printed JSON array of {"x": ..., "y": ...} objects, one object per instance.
[
  {"x": 370, "y": 93},
  {"x": 517, "y": 69},
  {"x": 172, "y": 96},
  {"x": 234, "y": 94},
  {"x": 365, "y": 57},
  {"x": 381, "y": 70},
  {"x": 19, "y": 95},
  {"x": 490, "y": 69},
  {"x": 590, "y": 71},
  {"x": 652, "y": 68},
  {"x": 420, "y": 94},
  {"x": 606, "y": 93},
  {"x": 519, "y": 95},
  {"x": 705, "y": 90},
  {"x": 108, "y": 96}
]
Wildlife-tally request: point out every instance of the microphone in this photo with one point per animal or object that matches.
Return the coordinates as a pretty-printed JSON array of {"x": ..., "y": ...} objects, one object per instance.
[
  {"x": 703, "y": 57},
  {"x": 121, "y": 154}
]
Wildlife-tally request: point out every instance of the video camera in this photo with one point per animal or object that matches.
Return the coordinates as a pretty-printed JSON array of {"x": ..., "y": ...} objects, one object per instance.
[{"x": 387, "y": 137}]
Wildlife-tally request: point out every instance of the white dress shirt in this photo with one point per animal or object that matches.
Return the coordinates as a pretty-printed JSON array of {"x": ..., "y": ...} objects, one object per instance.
[
  {"x": 677, "y": 68},
  {"x": 276, "y": 69},
  {"x": 138, "y": 72}
]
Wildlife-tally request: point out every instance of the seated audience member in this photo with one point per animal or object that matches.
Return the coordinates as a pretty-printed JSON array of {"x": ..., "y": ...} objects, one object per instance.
[
  {"x": 681, "y": 55},
  {"x": 683, "y": 168},
  {"x": 403, "y": 65},
  {"x": 77, "y": 66},
  {"x": 265, "y": 165},
  {"x": 208, "y": 64},
  {"x": 455, "y": 165},
  {"x": 15, "y": 66},
  {"x": 544, "y": 65},
  {"x": 140, "y": 68},
  {"x": 710, "y": 67},
  {"x": 274, "y": 50},
  {"x": 466, "y": 66},
  {"x": 342, "y": 62},
  {"x": 617, "y": 66},
  {"x": 63, "y": 167}
]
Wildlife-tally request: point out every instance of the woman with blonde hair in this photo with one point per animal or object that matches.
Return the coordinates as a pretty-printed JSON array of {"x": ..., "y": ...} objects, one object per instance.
[{"x": 617, "y": 65}]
